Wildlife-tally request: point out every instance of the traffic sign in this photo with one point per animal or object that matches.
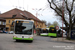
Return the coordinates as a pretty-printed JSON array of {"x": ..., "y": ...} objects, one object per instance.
[{"x": 57, "y": 27}]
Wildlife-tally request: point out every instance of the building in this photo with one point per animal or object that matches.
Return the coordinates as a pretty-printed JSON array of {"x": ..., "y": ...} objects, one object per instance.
[
  {"x": 19, "y": 14},
  {"x": 2, "y": 24}
]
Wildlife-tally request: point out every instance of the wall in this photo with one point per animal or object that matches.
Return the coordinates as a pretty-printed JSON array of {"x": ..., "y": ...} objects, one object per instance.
[
  {"x": 9, "y": 23},
  {"x": 2, "y": 24}
]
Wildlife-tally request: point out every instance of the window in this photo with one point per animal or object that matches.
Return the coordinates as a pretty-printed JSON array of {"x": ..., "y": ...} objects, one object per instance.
[
  {"x": 9, "y": 21},
  {"x": 52, "y": 30},
  {"x": 4, "y": 23},
  {"x": 12, "y": 28},
  {"x": 23, "y": 28}
]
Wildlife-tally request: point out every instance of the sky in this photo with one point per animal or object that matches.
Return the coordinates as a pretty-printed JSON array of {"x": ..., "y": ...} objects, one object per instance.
[{"x": 33, "y": 6}]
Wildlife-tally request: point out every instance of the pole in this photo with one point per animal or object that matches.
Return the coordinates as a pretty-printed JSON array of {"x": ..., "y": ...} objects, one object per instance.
[{"x": 62, "y": 17}]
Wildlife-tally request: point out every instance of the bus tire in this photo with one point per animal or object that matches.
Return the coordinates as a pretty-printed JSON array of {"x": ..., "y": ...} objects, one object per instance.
[
  {"x": 31, "y": 41},
  {"x": 17, "y": 40}
]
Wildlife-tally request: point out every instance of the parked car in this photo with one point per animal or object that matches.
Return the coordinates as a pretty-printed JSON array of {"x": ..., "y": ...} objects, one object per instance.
[
  {"x": 11, "y": 32},
  {"x": 5, "y": 32},
  {"x": 1, "y": 31}
]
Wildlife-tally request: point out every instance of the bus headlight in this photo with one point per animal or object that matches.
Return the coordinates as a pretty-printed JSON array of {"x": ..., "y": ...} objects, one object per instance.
[
  {"x": 15, "y": 36},
  {"x": 30, "y": 37}
]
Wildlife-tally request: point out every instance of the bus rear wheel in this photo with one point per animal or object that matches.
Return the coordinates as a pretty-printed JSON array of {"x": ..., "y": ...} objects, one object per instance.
[{"x": 31, "y": 41}]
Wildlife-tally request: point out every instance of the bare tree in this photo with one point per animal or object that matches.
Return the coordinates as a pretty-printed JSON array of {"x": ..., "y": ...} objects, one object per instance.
[
  {"x": 65, "y": 10},
  {"x": 48, "y": 24},
  {"x": 55, "y": 23}
]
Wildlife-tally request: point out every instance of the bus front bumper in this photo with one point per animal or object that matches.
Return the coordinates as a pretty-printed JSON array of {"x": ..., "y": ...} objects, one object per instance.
[
  {"x": 22, "y": 38},
  {"x": 52, "y": 34}
]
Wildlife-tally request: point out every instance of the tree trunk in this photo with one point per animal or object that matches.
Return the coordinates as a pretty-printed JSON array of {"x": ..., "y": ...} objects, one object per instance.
[
  {"x": 70, "y": 26},
  {"x": 69, "y": 33}
]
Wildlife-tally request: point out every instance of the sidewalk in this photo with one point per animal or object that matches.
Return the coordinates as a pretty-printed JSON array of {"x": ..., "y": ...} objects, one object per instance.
[
  {"x": 35, "y": 35},
  {"x": 63, "y": 40}
]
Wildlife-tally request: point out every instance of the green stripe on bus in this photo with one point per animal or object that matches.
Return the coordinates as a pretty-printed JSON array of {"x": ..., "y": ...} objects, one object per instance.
[
  {"x": 23, "y": 38},
  {"x": 44, "y": 35},
  {"x": 52, "y": 34}
]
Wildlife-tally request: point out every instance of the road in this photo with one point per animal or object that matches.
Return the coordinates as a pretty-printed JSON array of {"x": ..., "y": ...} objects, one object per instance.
[{"x": 39, "y": 43}]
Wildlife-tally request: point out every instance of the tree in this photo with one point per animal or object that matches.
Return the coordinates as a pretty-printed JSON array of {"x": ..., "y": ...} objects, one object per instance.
[
  {"x": 65, "y": 10},
  {"x": 48, "y": 24},
  {"x": 55, "y": 23}
]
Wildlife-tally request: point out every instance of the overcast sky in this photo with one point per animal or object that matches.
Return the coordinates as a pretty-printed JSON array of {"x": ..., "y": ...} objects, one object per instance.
[{"x": 32, "y": 6}]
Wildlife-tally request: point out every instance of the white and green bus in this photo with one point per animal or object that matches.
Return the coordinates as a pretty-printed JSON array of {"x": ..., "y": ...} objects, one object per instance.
[
  {"x": 44, "y": 32},
  {"x": 23, "y": 30}
]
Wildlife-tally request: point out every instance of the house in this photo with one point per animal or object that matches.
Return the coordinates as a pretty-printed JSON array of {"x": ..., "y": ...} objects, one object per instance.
[
  {"x": 13, "y": 14},
  {"x": 2, "y": 24}
]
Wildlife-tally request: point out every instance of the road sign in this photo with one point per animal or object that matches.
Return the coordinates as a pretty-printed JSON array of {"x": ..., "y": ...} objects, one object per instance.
[{"x": 57, "y": 27}]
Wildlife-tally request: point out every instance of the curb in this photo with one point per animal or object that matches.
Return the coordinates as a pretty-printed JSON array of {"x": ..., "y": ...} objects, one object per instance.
[{"x": 62, "y": 40}]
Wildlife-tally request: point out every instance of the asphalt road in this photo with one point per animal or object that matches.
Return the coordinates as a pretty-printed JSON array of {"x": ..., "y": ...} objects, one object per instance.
[{"x": 39, "y": 43}]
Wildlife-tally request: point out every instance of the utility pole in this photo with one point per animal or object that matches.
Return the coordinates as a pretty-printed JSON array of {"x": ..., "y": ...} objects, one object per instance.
[{"x": 62, "y": 16}]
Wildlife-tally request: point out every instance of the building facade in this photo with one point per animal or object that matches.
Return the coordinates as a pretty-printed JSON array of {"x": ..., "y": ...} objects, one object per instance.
[
  {"x": 13, "y": 14},
  {"x": 2, "y": 24}
]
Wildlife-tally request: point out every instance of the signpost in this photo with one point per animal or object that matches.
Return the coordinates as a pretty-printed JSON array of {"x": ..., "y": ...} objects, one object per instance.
[{"x": 57, "y": 29}]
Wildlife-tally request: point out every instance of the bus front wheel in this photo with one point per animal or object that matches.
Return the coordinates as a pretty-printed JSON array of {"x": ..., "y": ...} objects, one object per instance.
[{"x": 17, "y": 40}]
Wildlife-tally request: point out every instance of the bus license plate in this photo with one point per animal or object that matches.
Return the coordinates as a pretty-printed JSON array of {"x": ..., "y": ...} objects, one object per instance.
[{"x": 22, "y": 36}]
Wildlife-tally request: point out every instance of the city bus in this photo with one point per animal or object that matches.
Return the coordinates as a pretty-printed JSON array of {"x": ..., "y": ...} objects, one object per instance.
[
  {"x": 44, "y": 32},
  {"x": 52, "y": 32},
  {"x": 23, "y": 30}
]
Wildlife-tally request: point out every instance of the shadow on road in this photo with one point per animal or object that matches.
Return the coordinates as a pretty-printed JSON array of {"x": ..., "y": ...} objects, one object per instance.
[
  {"x": 43, "y": 36},
  {"x": 23, "y": 41},
  {"x": 52, "y": 37}
]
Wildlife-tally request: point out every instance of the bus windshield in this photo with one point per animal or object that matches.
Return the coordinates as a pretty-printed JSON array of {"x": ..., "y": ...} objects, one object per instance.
[
  {"x": 44, "y": 31},
  {"x": 23, "y": 28},
  {"x": 52, "y": 30}
]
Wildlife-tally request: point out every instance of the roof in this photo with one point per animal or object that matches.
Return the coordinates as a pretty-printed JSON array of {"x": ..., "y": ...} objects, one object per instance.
[{"x": 16, "y": 13}]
